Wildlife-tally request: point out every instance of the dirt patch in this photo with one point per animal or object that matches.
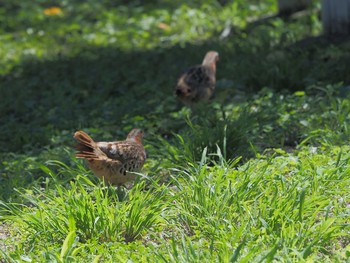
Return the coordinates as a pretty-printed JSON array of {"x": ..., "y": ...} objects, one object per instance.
[{"x": 4, "y": 234}]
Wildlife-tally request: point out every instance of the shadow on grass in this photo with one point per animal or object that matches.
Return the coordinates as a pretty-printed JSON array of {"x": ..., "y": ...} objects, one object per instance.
[
  {"x": 102, "y": 88},
  {"x": 112, "y": 90}
]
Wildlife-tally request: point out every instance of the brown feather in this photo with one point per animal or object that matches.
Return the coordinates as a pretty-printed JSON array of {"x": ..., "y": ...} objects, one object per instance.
[
  {"x": 197, "y": 84},
  {"x": 112, "y": 161}
]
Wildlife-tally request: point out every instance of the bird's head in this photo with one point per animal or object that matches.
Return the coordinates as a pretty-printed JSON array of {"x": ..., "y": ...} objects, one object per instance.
[
  {"x": 135, "y": 135},
  {"x": 210, "y": 59}
]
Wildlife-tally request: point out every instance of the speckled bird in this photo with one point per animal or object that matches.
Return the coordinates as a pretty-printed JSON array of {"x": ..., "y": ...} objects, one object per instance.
[
  {"x": 113, "y": 161},
  {"x": 197, "y": 84}
]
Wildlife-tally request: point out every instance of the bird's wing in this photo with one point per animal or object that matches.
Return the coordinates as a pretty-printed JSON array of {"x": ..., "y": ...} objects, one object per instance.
[
  {"x": 122, "y": 151},
  {"x": 123, "y": 156},
  {"x": 200, "y": 76}
]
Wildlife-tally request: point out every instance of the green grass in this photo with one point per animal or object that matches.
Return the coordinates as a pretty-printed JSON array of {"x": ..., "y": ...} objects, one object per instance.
[
  {"x": 286, "y": 206},
  {"x": 260, "y": 174}
]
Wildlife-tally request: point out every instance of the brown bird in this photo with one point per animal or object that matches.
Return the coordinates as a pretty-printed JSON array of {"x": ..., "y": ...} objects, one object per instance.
[
  {"x": 113, "y": 161},
  {"x": 197, "y": 84}
]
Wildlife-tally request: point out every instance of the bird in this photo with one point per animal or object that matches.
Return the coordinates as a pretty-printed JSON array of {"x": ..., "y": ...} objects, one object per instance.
[
  {"x": 197, "y": 84},
  {"x": 115, "y": 162}
]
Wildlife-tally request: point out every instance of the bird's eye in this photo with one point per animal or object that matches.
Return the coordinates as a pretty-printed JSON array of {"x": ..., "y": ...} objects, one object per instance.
[{"x": 189, "y": 90}]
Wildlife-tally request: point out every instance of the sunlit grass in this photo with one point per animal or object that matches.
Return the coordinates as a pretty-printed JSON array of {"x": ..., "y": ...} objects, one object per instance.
[
  {"x": 281, "y": 206},
  {"x": 100, "y": 24}
]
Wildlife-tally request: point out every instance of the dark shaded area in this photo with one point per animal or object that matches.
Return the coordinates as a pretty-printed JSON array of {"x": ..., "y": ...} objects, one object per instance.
[
  {"x": 288, "y": 10},
  {"x": 107, "y": 87}
]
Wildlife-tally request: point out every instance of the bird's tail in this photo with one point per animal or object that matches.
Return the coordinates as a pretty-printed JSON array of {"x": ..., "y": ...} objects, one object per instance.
[{"x": 86, "y": 145}]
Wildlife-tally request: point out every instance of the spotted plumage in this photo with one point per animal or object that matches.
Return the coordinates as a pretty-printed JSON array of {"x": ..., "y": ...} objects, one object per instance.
[
  {"x": 198, "y": 83},
  {"x": 113, "y": 161}
]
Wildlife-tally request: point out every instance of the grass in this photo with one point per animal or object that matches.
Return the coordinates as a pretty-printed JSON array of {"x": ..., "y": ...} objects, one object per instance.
[
  {"x": 260, "y": 174},
  {"x": 282, "y": 206}
]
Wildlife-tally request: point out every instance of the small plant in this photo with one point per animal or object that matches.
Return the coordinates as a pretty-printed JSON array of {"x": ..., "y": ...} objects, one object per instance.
[{"x": 143, "y": 211}]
